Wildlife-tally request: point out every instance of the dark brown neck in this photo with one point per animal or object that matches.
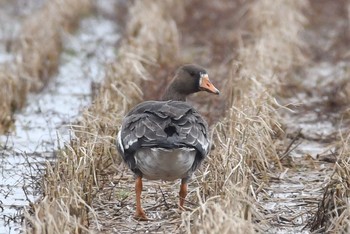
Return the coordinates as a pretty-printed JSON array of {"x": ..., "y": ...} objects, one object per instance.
[{"x": 172, "y": 94}]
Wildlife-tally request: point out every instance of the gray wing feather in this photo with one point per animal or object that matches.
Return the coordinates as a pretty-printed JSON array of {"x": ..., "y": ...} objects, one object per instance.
[
  {"x": 146, "y": 124},
  {"x": 140, "y": 130}
]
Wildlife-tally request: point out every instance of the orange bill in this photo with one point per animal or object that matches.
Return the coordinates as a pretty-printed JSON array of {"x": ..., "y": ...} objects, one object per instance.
[{"x": 206, "y": 85}]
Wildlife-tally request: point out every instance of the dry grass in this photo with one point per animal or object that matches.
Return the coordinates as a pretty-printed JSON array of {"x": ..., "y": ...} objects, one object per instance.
[
  {"x": 38, "y": 48},
  {"x": 81, "y": 188},
  {"x": 333, "y": 213},
  {"x": 71, "y": 185},
  {"x": 246, "y": 149}
]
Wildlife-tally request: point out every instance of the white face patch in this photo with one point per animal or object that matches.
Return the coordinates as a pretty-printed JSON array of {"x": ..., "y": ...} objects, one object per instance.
[{"x": 203, "y": 75}]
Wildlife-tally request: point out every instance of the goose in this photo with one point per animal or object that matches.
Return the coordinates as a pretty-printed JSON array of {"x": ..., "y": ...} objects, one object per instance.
[{"x": 167, "y": 139}]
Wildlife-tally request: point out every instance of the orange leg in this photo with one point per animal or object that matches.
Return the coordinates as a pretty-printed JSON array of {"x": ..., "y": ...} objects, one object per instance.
[
  {"x": 140, "y": 214},
  {"x": 182, "y": 194}
]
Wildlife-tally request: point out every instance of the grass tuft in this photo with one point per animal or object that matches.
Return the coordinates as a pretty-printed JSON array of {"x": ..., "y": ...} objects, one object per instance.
[{"x": 333, "y": 213}]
